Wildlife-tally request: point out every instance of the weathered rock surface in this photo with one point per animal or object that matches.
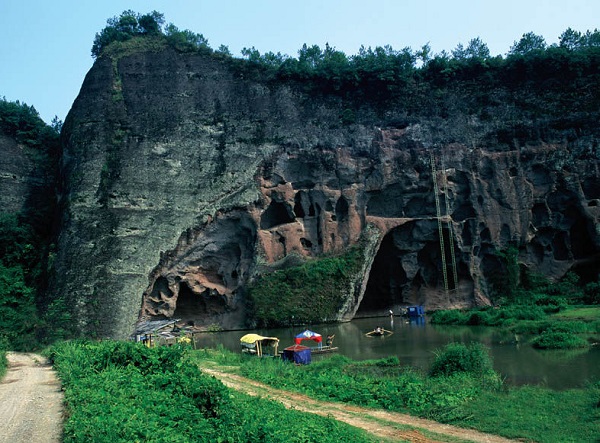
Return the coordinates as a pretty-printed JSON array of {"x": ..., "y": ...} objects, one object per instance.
[
  {"x": 184, "y": 177},
  {"x": 20, "y": 177}
]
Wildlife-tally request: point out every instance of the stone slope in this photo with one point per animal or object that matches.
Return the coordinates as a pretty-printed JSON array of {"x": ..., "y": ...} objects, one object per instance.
[{"x": 184, "y": 176}]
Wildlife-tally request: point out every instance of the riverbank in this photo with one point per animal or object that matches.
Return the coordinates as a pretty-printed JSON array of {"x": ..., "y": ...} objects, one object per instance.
[{"x": 528, "y": 413}]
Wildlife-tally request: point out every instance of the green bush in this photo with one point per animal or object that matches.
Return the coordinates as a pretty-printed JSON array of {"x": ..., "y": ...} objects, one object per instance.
[
  {"x": 3, "y": 361},
  {"x": 456, "y": 358},
  {"x": 550, "y": 304},
  {"x": 558, "y": 340},
  {"x": 126, "y": 392},
  {"x": 448, "y": 317},
  {"x": 311, "y": 293}
]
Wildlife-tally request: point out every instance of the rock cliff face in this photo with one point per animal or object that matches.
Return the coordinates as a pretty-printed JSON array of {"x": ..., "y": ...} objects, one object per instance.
[
  {"x": 20, "y": 178},
  {"x": 184, "y": 177}
]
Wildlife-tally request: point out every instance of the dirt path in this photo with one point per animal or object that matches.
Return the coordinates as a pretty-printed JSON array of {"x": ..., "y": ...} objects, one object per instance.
[
  {"x": 30, "y": 401},
  {"x": 390, "y": 425}
]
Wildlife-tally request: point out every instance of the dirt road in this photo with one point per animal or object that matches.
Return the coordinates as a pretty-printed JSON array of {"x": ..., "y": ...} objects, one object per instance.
[
  {"x": 30, "y": 401},
  {"x": 390, "y": 425}
]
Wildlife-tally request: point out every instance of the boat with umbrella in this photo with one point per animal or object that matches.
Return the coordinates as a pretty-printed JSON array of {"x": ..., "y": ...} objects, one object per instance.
[{"x": 318, "y": 339}]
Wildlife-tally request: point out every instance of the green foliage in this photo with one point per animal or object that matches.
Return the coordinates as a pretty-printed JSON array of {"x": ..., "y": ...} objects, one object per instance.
[
  {"x": 130, "y": 25},
  {"x": 483, "y": 403},
  {"x": 558, "y": 340},
  {"x": 125, "y": 392},
  {"x": 499, "y": 316},
  {"x": 25, "y": 238},
  {"x": 310, "y": 293},
  {"x": 506, "y": 281},
  {"x": 457, "y": 357},
  {"x": 25, "y": 125},
  {"x": 374, "y": 383},
  {"x": 536, "y": 414},
  {"x": 3, "y": 359},
  {"x": 529, "y": 42},
  {"x": 591, "y": 293},
  {"x": 186, "y": 40},
  {"x": 126, "y": 26}
]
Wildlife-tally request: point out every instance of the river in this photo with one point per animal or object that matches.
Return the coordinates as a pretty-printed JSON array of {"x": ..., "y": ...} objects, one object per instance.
[{"x": 414, "y": 343}]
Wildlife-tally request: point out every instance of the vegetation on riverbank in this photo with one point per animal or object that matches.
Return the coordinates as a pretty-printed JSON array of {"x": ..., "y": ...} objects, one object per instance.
[
  {"x": 550, "y": 314},
  {"x": 463, "y": 391},
  {"x": 125, "y": 392}
]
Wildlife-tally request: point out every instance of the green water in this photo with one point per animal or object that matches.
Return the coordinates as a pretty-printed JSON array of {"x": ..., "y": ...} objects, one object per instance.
[{"x": 414, "y": 343}]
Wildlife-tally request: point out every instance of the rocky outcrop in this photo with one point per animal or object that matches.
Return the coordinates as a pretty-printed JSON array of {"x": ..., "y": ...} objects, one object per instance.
[
  {"x": 20, "y": 175},
  {"x": 185, "y": 177}
]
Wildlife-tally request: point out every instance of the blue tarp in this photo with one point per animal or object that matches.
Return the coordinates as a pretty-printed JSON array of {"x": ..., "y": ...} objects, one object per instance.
[
  {"x": 415, "y": 311},
  {"x": 298, "y": 354}
]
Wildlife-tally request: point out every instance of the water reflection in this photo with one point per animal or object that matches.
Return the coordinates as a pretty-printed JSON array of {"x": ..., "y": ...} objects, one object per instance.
[{"x": 414, "y": 342}]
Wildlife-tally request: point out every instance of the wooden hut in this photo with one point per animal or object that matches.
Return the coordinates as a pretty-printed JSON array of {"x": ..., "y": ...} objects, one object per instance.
[{"x": 154, "y": 332}]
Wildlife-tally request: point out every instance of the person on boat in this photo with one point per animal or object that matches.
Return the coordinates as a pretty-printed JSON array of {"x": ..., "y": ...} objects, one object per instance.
[{"x": 329, "y": 340}]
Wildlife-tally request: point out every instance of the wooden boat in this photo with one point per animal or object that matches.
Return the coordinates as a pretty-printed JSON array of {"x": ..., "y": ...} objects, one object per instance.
[
  {"x": 323, "y": 349},
  {"x": 379, "y": 332}
]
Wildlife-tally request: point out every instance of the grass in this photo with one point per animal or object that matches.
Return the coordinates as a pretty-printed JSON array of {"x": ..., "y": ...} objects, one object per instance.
[
  {"x": 584, "y": 313},
  {"x": 569, "y": 327},
  {"x": 537, "y": 414},
  {"x": 463, "y": 399},
  {"x": 3, "y": 363},
  {"x": 125, "y": 392}
]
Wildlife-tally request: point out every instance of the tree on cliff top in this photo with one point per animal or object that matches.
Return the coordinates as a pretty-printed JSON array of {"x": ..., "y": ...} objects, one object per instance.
[
  {"x": 127, "y": 25},
  {"x": 130, "y": 24}
]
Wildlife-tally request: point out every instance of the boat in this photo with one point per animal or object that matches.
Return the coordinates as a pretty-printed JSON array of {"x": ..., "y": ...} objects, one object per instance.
[
  {"x": 260, "y": 346},
  {"x": 379, "y": 332},
  {"x": 317, "y": 338}
]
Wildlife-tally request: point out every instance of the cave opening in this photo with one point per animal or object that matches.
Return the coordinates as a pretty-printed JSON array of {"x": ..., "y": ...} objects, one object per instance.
[
  {"x": 189, "y": 305},
  {"x": 386, "y": 280},
  {"x": 278, "y": 213},
  {"x": 199, "y": 309}
]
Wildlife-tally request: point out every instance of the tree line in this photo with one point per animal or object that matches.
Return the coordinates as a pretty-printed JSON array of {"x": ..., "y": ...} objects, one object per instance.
[{"x": 382, "y": 64}]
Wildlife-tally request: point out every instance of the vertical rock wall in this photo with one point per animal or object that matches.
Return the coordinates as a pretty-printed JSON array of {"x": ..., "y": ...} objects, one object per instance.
[{"x": 185, "y": 177}]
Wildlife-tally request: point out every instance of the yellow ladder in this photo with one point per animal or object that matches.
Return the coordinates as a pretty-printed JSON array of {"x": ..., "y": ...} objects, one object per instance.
[
  {"x": 439, "y": 221},
  {"x": 450, "y": 230}
]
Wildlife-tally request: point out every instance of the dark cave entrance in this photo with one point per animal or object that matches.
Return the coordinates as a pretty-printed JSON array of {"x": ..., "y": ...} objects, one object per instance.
[
  {"x": 386, "y": 280},
  {"x": 408, "y": 261},
  {"x": 189, "y": 305},
  {"x": 199, "y": 309}
]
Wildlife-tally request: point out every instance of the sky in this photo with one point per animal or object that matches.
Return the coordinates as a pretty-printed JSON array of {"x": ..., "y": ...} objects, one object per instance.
[{"x": 45, "y": 44}]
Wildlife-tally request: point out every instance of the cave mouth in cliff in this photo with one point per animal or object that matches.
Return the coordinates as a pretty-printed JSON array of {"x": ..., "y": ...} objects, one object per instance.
[
  {"x": 386, "y": 280},
  {"x": 194, "y": 308}
]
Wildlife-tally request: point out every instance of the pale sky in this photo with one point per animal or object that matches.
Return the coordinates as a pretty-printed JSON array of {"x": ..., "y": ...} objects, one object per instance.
[{"x": 45, "y": 44}]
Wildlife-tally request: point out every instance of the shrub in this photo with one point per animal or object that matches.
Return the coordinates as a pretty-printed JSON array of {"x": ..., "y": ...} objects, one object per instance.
[
  {"x": 3, "y": 361},
  {"x": 558, "y": 340},
  {"x": 457, "y": 357},
  {"x": 298, "y": 302},
  {"x": 550, "y": 304},
  {"x": 448, "y": 317}
]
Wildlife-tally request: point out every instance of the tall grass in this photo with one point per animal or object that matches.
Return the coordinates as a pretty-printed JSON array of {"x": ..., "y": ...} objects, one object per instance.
[
  {"x": 463, "y": 392},
  {"x": 3, "y": 363},
  {"x": 124, "y": 392}
]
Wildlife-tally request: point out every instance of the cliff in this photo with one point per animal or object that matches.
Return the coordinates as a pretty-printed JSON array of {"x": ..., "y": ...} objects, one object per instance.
[{"x": 185, "y": 177}]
